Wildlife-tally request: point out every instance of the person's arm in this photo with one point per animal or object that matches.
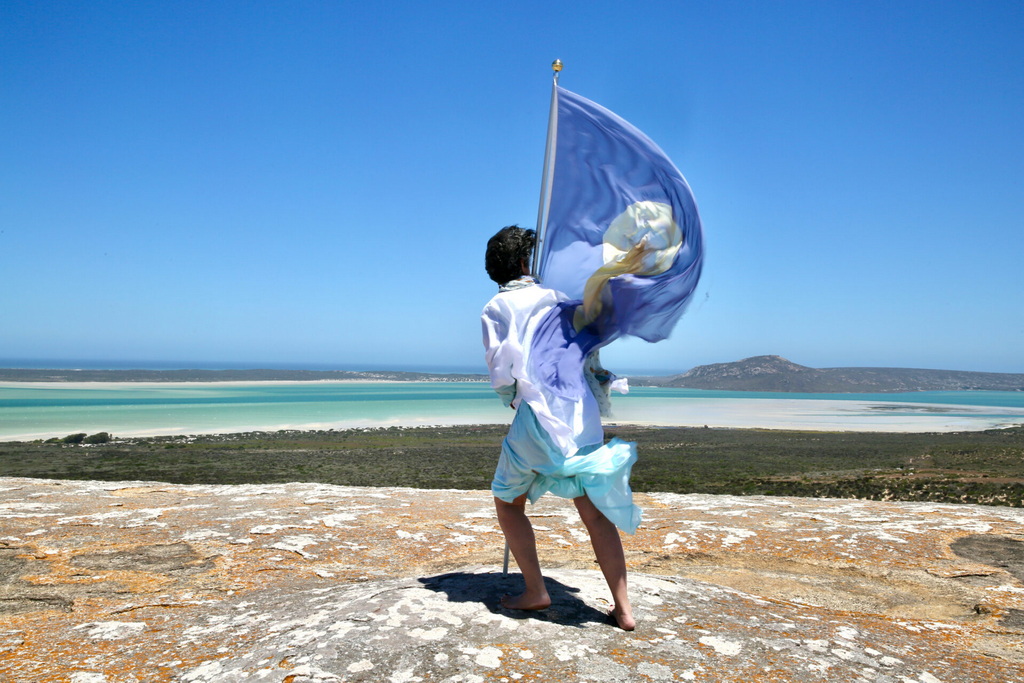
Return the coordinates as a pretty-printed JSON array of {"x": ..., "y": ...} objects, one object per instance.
[
  {"x": 632, "y": 261},
  {"x": 498, "y": 353}
]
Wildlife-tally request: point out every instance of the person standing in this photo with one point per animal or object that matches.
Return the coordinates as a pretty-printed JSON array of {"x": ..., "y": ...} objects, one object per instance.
[{"x": 537, "y": 346}]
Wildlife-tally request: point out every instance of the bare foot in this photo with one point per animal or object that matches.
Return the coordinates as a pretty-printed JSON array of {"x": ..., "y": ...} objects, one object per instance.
[
  {"x": 526, "y": 601},
  {"x": 623, "y": 618}
]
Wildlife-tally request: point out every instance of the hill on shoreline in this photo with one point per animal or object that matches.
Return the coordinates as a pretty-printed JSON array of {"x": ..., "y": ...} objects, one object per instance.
[
  {"x": 775, "y": 373},
  {"x": 758, "y": 373}
]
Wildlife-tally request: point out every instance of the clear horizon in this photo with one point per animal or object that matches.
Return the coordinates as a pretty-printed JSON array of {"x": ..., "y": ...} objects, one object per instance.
[{"x": 314, "y": 182}]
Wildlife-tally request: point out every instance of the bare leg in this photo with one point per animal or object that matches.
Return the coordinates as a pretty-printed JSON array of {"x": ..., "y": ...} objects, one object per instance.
[
  {"x": 519, "y": 533},
  {"x": 608, "y": 548}
]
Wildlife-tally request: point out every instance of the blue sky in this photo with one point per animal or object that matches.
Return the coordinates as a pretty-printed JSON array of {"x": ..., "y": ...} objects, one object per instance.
[{"x": 313, "y": 183}]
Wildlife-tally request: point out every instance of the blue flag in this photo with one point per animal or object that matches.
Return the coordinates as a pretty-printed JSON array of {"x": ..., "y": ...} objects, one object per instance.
[{"x": 623, "y": 232}]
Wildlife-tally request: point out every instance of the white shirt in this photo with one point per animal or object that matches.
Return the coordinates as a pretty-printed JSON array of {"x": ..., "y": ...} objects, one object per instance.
[{"x": 509, "y": 321}]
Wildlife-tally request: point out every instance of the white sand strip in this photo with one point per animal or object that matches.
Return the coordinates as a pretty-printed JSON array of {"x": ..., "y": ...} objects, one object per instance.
[
  {"x": 814, "y": 415},
  {"x": 754, "y": 413}
]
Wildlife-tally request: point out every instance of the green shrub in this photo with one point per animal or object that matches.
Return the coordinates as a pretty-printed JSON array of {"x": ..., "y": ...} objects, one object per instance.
[
  {"x": 99, "y": 437},
  {"x": 75, "y": 438}
]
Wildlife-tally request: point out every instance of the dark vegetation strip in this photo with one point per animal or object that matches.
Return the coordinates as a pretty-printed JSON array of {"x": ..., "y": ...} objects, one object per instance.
[{"x": 969, "y": 467}]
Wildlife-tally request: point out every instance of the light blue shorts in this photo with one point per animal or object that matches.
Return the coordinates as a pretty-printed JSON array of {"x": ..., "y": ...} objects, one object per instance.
[{"x": 530, "y": 463}]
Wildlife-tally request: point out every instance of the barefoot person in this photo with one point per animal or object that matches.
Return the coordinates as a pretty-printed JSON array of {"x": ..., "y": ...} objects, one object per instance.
[{"x": 537, "y": 346}]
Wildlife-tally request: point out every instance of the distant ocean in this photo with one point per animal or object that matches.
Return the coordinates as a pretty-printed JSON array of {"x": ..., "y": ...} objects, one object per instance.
[
  {"x": 42, "y": 410},
  {"x": 142, "y": 364}
]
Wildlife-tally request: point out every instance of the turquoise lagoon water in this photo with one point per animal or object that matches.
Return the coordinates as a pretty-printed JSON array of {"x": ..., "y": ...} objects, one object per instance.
[{"x": 38, "y": 410}]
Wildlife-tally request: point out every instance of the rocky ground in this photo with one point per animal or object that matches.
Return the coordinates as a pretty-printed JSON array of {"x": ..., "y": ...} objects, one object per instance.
[{"x": 111, "y": 582}]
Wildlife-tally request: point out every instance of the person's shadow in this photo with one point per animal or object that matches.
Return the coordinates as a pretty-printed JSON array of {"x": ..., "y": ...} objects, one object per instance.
[{"x": 487, "y": 589}]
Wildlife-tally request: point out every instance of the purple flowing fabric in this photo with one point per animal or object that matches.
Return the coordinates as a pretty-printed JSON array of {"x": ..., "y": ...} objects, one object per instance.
[{"x": 605, "y": 168}]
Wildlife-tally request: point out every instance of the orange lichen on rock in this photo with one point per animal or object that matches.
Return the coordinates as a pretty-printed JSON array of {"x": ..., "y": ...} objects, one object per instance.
[{"x": 112, "y": 582}]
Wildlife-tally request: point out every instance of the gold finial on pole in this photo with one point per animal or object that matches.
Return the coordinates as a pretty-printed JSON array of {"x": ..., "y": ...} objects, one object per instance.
[{"x": 556, "y": 65}]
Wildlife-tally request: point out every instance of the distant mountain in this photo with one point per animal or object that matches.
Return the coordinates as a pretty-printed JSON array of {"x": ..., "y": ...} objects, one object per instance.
[{"x": 774, "y": 373}]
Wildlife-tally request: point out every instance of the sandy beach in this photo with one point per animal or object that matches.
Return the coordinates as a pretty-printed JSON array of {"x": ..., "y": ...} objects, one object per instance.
[
  {"x": 193, "y": 385},
  {"x": 818, "y": 415},
  {"x": 794, "y": 414}
]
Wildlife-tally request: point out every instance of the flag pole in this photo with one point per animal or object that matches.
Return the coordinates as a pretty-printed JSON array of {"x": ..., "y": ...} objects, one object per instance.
[
  {"x": 549, "y": 168},
  {"x": 545, "y": 196}
]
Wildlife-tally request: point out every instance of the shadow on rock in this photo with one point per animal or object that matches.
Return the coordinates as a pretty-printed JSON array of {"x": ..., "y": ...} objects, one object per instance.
[
  {"x": 993, "y": 550},
  {"x": 566, "y": 609}
]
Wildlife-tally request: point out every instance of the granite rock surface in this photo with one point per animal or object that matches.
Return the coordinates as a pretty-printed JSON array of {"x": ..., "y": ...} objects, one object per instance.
[{"x": 132, "y": 581}]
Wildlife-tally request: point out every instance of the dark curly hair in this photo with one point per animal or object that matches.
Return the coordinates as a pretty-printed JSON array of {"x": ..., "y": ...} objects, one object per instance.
[{"x": 507, "y": 251}]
